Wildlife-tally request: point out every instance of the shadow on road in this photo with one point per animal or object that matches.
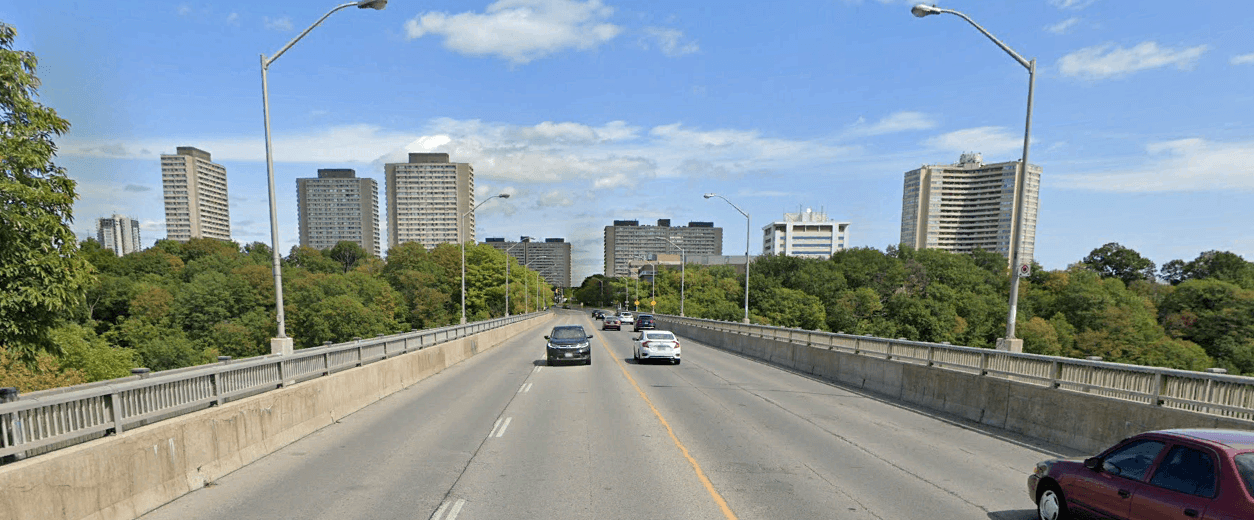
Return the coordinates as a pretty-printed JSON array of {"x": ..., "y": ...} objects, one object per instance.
[{"x": 1017, "y": 514}]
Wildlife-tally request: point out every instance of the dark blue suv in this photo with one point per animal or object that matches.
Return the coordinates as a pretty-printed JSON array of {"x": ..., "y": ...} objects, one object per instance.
[{"x": 568, "y": 343}]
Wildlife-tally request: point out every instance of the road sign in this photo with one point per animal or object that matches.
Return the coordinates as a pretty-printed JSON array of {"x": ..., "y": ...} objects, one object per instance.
[
  {"x": 637, "y": 302},
  {"x": 653, "y": 303},
  {"x": 1025, "y": 270}
]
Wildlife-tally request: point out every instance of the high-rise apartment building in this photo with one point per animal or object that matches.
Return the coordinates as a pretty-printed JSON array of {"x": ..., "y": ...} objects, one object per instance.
[
  {"x": 550, "y": 258},
  {"x": 118, "y": 234},
  {"x": 806, "y": 234},
  {"x": 338, "y": 206},
  {"x": 426, "y": 197},
  {"x": 627, "y": 239},
  {"x": 196, "y": 203},
  {"x": 969, "y": 205}
]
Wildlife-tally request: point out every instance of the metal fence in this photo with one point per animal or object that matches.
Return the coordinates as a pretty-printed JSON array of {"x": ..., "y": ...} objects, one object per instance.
[
  {"x": 40, "y": 422},
  {"x": 1204, "y": 392}
]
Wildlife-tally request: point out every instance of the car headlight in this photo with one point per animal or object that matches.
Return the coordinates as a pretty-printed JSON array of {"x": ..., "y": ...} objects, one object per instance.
[
  {"x": 583, "y": 345},
  {"x": 548, "y": 345}
]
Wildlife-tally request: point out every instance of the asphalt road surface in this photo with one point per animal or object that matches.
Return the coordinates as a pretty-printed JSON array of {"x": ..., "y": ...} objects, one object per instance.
[{"x": 504, "y": 436}]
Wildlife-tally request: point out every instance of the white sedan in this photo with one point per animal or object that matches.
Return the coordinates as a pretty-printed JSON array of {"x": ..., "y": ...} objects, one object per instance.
[
  {"x": 657, "y": 344},
  {"x": 627, "y": 318}
]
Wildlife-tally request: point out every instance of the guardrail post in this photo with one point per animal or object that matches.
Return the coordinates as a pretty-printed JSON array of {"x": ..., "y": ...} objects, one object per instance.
[
  {"x": 281, "y": 378},
  {"x": 1055, "y": 374},
  {"x": 12, "y": 428},
  {"x": 857, "y": 343},
  {"x": 215, "y": 384},
  {"x": 326, "y": 363},
  {"x": 983, "y": 363},
  {"x": 1158, "y": 389},
  {"x": 115, "y": 409},
  {"x": 931, "y": 356},
  {"x": 357, "y": 339}
]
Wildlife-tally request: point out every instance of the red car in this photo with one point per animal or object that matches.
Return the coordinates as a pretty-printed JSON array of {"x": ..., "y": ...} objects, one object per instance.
[{"x": 1189, "y": 473}]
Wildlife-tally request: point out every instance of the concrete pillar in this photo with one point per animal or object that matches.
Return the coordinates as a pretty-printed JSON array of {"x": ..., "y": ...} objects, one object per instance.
[
  {"x": 281, "y": 346},
  {"x": 1010, "y": 345}
]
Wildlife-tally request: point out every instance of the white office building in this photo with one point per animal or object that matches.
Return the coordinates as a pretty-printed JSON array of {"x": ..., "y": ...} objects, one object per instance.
[
  {"x": 118, "y": 234},
  {"x": 967, "y": 206},
  {"x": 196, "y": 204},
  {"x": 806, "y": 234},
  {"x": 426, "y": 197}
]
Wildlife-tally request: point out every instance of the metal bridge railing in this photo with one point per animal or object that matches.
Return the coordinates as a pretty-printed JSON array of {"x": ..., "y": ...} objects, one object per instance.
[
  {"x": 40, "y": 422},
  {"x": 1204, "y": 392}
]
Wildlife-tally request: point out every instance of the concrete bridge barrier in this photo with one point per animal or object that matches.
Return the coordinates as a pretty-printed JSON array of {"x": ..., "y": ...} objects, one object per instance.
[
  {"x": 1080, "y": 419},
  {"x": 123, "y": 476}
]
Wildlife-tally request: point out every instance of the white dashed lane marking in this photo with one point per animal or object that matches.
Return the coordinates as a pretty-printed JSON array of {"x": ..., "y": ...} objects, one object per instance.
[
  {"x": 504, "y": 426},
  {"x": 452, "y": 507},
  {"x": 524, "y": 388}
]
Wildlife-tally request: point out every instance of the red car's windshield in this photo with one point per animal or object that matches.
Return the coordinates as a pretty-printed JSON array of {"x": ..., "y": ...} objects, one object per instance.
[{"x": 1245, "y": 466}]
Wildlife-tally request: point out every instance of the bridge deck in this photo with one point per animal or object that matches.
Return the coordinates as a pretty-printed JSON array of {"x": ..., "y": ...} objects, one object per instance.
[{"x": 503, "y": 436}]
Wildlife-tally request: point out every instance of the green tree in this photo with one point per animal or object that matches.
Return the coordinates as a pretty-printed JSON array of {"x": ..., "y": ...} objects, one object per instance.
[
  {"x": 90, "y": 354},
  {"x": 347, "y": 254},
  {"x": 1116, "y": 261},
  {"x": 43, "y": 274}
]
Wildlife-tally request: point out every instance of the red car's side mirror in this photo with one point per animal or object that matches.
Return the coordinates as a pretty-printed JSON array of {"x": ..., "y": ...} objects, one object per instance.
[{"x": 1093, "y": 463}]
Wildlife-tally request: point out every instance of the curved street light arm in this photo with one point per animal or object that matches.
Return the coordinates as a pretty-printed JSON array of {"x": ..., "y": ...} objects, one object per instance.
[
  {"x": 265, "y": 62},
  {"x": 990, "y": 36}
]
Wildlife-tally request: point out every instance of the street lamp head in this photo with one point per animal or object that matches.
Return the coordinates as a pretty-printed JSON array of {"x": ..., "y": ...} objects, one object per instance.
[
  {"x": 921, "y": 10},
  {"x": 503, "y": 195},
  {"x": 708, "y": 195},
  {"x": 377, "y": 5}
]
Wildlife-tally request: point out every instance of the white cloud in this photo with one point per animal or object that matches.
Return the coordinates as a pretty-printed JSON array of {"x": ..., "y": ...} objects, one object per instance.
[
  {"x": 1243, "y": 59},
  {"x": 520, "y": 30},
  {"x": 612, "y": 155},
  {"x": 670, "y": 41},
  {"x": 1181, "y": 165},
  {"x": 1071, "y": 4},
  {"x": 989, "y": 140},
  {"x": 895, "y": 122},
  {"x": 232, "y": 18},
  {"x": 352, "y": 143},
  {"x": 555, "y": 199},
  {"x": 1064, "y": 26},
  {"x": 184, "y": 10},
  {"x": 283, "y": 24},
  {"x": 1109, "y": 61}
]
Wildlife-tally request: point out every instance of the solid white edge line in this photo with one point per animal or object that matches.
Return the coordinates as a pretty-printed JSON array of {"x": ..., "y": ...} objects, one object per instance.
[
  {"x": 440, "y": 511},
  {"x": 494, "y": 427},
  {"x": 504, "y": 426},
  {"x": 457, "y": 508}
]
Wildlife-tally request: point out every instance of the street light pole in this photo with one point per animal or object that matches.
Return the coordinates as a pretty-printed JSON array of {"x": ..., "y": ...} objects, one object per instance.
[
  {"x": 522, "y": 241},
  {"x": 462, "y": 238},
  {"x": 683, "y": 266},
  {"x": 1021, "y": 176},
  {"x": 281, "y": 344},
  {"x": 710, "y": 195}
]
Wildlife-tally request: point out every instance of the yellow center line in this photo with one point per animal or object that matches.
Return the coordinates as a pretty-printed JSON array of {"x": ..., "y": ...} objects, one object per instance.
[{"x": 722, "y": 504}]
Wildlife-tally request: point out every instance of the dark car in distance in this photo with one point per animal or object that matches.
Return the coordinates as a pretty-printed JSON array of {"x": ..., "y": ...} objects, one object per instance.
[
  {"x": 1187, "y": 473},
  {"x": 598, "y": 314},
  {"x": 644, "y": 322},
  {"x": 568, "y": 343}
]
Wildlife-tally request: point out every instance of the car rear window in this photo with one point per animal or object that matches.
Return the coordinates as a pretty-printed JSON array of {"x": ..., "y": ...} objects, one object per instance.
[
  {"x": 1245, "y": 466},
  {"x": 568, "y": 333},
  {"x": 662, "y": 336}
]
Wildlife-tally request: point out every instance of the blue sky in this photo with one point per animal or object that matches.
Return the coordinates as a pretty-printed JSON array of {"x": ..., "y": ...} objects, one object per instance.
[{"x": 591, "y": 111}]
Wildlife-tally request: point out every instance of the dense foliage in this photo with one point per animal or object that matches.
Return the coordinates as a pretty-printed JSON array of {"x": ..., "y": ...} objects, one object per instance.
[
  {"x": 1107, "y": 305},
  {"x": 41, "y": 272},
  {"x": 181, "y": 304}
]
